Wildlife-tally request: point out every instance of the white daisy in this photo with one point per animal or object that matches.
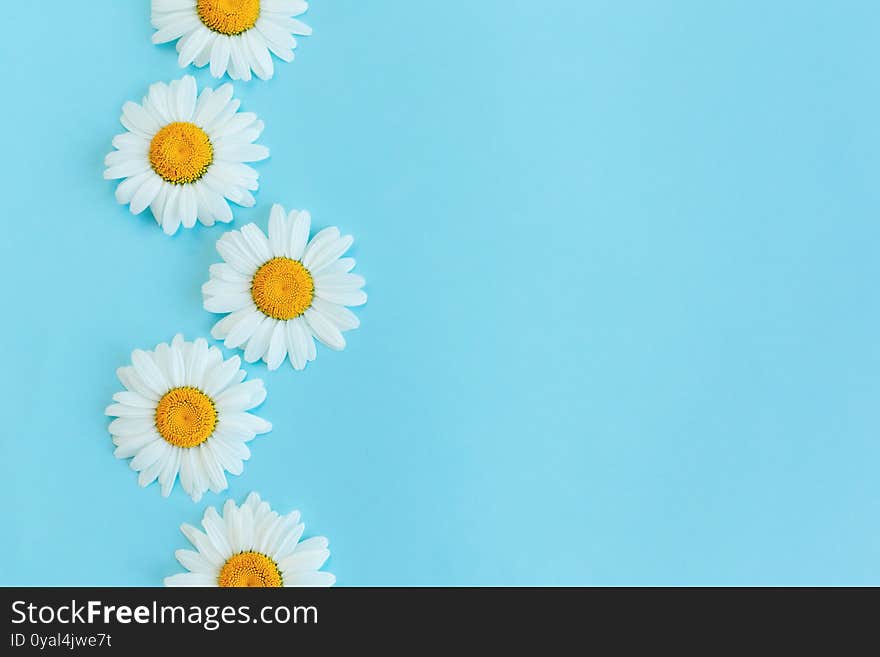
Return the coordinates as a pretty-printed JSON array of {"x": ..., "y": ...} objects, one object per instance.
[
  {"x": 234, "y": 36},
  {"x": 251, "y": 545},
  {"x": 184, "y": 155},
  {"x": 184, "y": 411},
  {"x": 281, "y": 291}
]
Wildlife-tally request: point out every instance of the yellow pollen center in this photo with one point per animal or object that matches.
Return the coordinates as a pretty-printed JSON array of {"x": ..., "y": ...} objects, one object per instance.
[
  {"x": 249, "y": 569},
  {"x": 186, "y": 417},
  {"x": 283, "y": 288},
  {"x": 229, "y": 17},
  {"x": 181, "y": 152}
]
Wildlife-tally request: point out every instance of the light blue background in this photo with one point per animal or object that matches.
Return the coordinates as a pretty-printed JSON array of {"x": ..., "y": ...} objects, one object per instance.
[{"x": 622, "y": 260}]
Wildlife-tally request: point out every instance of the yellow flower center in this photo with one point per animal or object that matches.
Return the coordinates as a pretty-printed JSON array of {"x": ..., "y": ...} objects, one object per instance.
[
  {"x": 181, "y": 152},
  {"x": 186, "y": 417},
  {"x": 283, "y": 288},
  {"x": 229, "y": 17},
  {"x": 249, "y": 569}
]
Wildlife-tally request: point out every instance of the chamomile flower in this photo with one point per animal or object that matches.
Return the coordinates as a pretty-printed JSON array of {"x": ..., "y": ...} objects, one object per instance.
[
  {"x": 184, "y": 155},
  {"x": 184, "y": 411},
  {"x": 283, "y": 290},
  {"x": 233, "y": 36},
  {"x": 252, "y": 546}
]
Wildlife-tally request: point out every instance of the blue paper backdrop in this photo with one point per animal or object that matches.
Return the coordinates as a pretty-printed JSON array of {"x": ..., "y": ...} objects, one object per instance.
[{"x": 622, "y": 260}]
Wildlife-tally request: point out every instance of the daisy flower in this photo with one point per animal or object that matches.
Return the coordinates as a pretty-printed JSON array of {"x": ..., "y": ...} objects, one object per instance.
[
  {"x": 251, "y": 545},
  {"x": 234, "y": 36},
  {"x": 184, "y": 411},
  {"x": 282, "y": 291},
  {"x": 184, "y": 155}
]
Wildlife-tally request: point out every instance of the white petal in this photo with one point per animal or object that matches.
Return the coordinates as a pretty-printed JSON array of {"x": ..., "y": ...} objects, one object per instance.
[
  {"x": 219, "y": 56},
  {"x": 243, "y": 424},
  {"x": 321, "y": 239},
  {"x": 130, "y": 166},
  {"x": 128, "y": 446},
  {"x": 228, "y": 303},
  {"x": 176, "y": 30},
  {"x": 212, "y": 469},
  {"x": 138, "y": 120},
  {"x": 223, "y": 327},
  {"x": 148, "y": 371},
  {"x": 190, "y": 579},
  {"x": 232, "y": 522},
  {"x": 325, "y": 330},
  {"x": 245, "y": 328},
  {"x": 316, "y": 260},
  {"x": 197, "y": 364},
  {"x": 342, "y": 297},
  {"x": 276, "y": 38},
  {"x": 278, "y": 232},
  {"x": 314, "y": 543},
  {"x": 169, "y": 471},
  {"x": 129, "y": 398},
  {"x": 243, "y": 128},
  {"x": 341, "y": 266},
  {"x": 342, "y": 317},
  {"x": 299, "y": 234},
  {"x": 225, "y": 456},
  {"x": 129, "y": 377},
  {"x": 258, "y": 343},
  {"x": 289, "y": 539},
  {"x": 189, "y": 206},
  {"x": 121, "y": 410},
  {"x": 131, "y": 143},
  {"x": 253, "y": 501},
  {"x": 194, "y": 562},
  {"x": 297, "y": 348},
  {"x": 338, "y": 281},
  {"x": 242, "y": 152},
  {"x": 232, "y": 248},
  {"x": 257, "y": 242},
  {"x": 299, "y": 562},
  {"x": 224, "y": 272},
  {"x": 239, "y": 68},
  {"x": 272, "y": 533},
  {"x": 261, "y": 60},
  {"x": 277, "y": 347},
  {"x": 193, "y": 44},
  {"x": 215, "y": 102},
  {"x": 203, "y": 544},
  {"x": 149, "y": 455},
  {"x": 190, "y": 479},
  {"x": 171, "y": 214},
  {"x": 241, "y": 397},
  {"x": 130, "y": 426},
  {"x": 288, "y": 7},
  {"x": 317, "y": 578},
  {"x": 145, "y": 194},
  {"x": 216, "y": 531},
  {"x": 233, "y": 442},
  {"x": 170, "y": 363},
  {"x": 216, "y": 287},
  {"x": 203, "y": 57},
  {"x": 157, "y": 207},
  {"x": 126, "y": 190},
  {"x": 218, "y": 378},
  {"x": 185, "y": 103},
  {"x": 149, "y": 474}
]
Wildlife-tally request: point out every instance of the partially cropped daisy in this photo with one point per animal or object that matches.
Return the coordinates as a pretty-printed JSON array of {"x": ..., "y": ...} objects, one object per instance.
[
  {"x": 234, "y": 36},
  {"x": 283, "y": 290},
  {"x": 252, "y": 546},
  {"x": 184, "y": 154},
  {"x": 184, "y": 411}
]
